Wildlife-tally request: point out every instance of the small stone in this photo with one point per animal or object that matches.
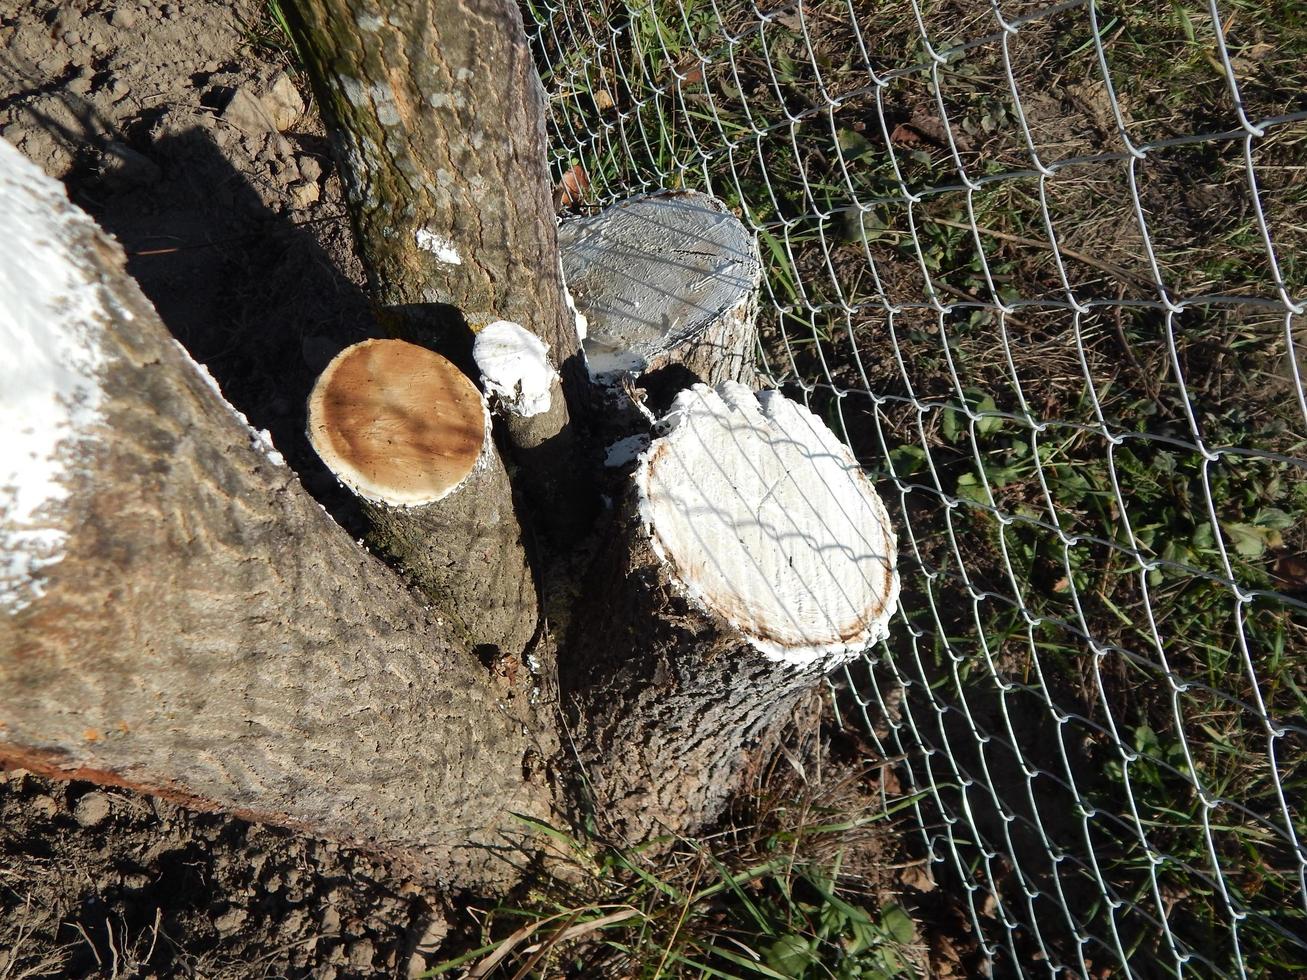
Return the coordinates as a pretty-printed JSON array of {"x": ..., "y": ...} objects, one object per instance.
[
  {"x": 80, "y": 84},
  {"x": 92, "y": 809},
  {"x": 230, "y": 921},
  {"x": 124, "y": 18},
  {"x": 293, "y": 924},
  {"x": 304, "y": 194},
  {"x": 118, "y": 90},
  {"x": 121, "y": 166},
  {"x": 247, "y": 113},
  {"x": 283, "y": 103},
  {"x": 330, "y": 921},
  {"x": 45, "y": 806},
  {"x": 360, "y": 955},
  {"x": 433, "y": 936},
  {"x": 310, "y": 168}
]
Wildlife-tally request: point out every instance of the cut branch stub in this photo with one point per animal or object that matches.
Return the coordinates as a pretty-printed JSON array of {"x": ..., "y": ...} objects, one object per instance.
[
  {"x": 754, "y": 556},
  {"x": 406, "y": 431},
  {"x": 670, "y": 279}
]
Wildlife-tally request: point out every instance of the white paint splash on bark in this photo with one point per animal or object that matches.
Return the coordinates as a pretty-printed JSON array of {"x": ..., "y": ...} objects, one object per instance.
[
  {"x": 514, "y": 365},
  {"x": 439, "y": 246},
  {"x": 765, "y": 519},
  {"x": 50, "y": 321},
  {"x": 624, "y": 450},
  {"x": 260, "y": 439}
]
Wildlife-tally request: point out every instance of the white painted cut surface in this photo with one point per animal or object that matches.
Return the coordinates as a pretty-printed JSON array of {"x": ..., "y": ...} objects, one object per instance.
[
  {"x": 649, "y": 272},
  {"x": 50, "y": 323},
  {"x": 764, "y": 517},
  {"x": 514, "y": 365},
  {"x": 439, "y": 246}
]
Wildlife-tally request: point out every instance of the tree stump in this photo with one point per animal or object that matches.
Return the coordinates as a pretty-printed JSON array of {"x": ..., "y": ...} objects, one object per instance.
[
  {"x": 407, "y": 432},
  {"x": 665, "y": 281},
  {"x": 751, "y": 556}
]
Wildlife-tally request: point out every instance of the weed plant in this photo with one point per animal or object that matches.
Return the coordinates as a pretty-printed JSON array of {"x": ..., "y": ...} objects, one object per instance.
[{"x": 784, "y": 892}]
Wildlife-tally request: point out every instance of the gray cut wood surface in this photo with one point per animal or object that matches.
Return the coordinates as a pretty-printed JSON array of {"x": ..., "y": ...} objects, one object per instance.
[
  {"x": 212, "y": 636},
  {"x": 438, "y": 121},
  {"x": 750, "y": 557},
  {"x": 665, "y": 280}
]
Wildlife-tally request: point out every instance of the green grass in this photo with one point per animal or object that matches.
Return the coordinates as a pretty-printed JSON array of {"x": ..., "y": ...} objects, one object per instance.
[
  {"x": 776, "y": 900},
  {"x": 1042, "y": 460}
]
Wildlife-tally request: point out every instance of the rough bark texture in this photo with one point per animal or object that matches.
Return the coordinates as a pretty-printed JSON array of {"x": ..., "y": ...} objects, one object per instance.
[
  {"x": 666, "y": 702},
  {"x": 752, "y": 555},
  {"x": 211, "y": 634},
  {"x": 465, "y": 553},
  {"x": 668, "y": 283},
  {"x": 438, "y": 119},
  {"x": 409, "y": 433}
]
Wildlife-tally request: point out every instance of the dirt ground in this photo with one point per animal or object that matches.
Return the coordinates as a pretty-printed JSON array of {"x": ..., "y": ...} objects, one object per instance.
[{"x": 178, "y": 128}]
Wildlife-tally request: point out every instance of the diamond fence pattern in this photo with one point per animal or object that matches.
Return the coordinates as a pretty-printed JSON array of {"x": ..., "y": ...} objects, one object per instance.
[{"x": 1041, "y": 266}]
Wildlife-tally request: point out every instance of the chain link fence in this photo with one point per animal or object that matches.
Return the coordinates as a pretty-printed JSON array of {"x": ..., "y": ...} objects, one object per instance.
[{"x": 1041, "y": 265}]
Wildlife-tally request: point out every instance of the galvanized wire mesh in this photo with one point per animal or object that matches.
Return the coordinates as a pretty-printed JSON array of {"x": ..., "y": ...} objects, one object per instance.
[{"x": 1040, "y": 265}]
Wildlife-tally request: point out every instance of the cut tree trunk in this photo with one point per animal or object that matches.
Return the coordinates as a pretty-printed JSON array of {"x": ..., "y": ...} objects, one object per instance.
[
  {"x": 667, "y": 283},
  {"x": 438, "y": 120},
  {"x": 751, "y": 556},
  {"x": 178, "y": 616},
  {"x": 407, "y": 432}
]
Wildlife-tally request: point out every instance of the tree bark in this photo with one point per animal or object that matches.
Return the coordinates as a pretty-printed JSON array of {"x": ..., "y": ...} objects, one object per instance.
[
  {"x": 750, "y": 557},
  {"x": 206, "y": 632},
  {"x": 408, "y": 433},
  {"x": 437, "y": 115}
]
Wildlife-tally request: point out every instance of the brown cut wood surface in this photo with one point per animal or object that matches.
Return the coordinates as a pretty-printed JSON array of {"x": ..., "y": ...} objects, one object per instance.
[{"x": 396, "y": 422}]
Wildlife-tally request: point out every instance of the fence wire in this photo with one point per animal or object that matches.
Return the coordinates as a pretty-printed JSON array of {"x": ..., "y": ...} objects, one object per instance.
[{"x": 1040, "y": 265}]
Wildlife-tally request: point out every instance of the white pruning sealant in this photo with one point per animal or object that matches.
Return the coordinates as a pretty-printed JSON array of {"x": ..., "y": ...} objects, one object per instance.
[
  {"x": 763, "y": 517},
  {"x": 51, "y": 317},
  {"x": 514, "y": 365},
  {"x": 439, "y": 246}
]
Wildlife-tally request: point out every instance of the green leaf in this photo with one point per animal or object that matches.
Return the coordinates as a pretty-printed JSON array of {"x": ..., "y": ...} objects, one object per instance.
[
  {"x": 987, "y": 423},
  {"x": 969, "y": 486},
  {"x": 1274, "y": 519},
  {"x": 898, "y": 925},
  {"x": 1248, "y": 540},
  {"x": 853, "y": 145},
  {"x": 949, "y": 424},
  {"x": 790, "y": 955}
]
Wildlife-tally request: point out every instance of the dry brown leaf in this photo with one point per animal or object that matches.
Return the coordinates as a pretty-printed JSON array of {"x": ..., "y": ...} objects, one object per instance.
[{"x": 571, "y": 190}]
